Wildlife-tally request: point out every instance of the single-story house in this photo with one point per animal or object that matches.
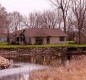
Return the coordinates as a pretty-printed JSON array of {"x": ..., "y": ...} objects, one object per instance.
[
  {"x": 39, "y": 36},
  {"x": 82, "y": 37}
]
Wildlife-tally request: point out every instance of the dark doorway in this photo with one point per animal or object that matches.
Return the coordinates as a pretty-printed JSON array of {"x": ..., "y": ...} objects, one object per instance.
[{"x": 48, "y": 40}]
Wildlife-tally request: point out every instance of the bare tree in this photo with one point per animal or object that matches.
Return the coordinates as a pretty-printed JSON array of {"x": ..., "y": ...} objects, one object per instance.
[
  {"x": 62, "y": 5},
  {"x": 84, "y": 25},
  {"x": 31, "y": 21},
  {"x": 3, "y": 18},
  {"x": 71, "y": 28},
  {"x": 35, "y": 19},
  {"x": 50, "y": 19},
  {"x": 59, "y": 18},
  {"x": 4, "y": 21},
  {"x": 79, "y": 10},
  {"x": 25, "y": 22},
  {"x": 47, "y": 19},
  {"x": 15, "y": 21}
]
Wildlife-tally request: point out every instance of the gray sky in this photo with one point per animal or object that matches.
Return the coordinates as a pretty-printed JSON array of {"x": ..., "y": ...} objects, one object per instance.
[{"x": 25, "y": 6}]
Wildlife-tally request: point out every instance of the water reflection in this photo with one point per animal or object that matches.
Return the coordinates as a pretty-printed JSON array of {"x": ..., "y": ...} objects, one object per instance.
[
  {"x": 16, "y": 77},
  {"x": 19, "y": 71}
]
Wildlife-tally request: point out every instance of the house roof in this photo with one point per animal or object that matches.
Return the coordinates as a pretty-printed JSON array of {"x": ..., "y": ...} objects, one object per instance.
[{"x": 32, "y": 32}]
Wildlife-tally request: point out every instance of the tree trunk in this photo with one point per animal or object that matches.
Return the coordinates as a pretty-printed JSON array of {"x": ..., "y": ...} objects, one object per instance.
[
  {"x": 8, "y": 37},
  {"x": 79, "y": 37}
]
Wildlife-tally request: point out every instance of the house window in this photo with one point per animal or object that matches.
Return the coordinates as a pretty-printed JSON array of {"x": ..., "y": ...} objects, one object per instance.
[
  {"x": 62, "y": 38},
  {"x": 17, "y": 39},
  {"x": 39, "y": 40},
  {"x": 48, "y": 40}
]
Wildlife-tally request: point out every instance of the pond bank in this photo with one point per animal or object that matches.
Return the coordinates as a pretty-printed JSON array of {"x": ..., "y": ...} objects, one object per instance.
[{"x": 46, "y": 56}]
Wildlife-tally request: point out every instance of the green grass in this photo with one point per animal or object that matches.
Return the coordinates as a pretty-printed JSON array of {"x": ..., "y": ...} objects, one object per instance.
[
  {"x": 5, "y": 45},
  {"x": 70, "y": 42}
]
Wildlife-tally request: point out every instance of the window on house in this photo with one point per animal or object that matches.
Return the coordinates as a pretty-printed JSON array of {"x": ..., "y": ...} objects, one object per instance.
[
  {"x": 39, "y": 40},
  {"x": 17, "y": 39},
  {"x": 62, "y": 38},
  {"x": 22, "y": 38},
  {"x": 48, "y": 40}
]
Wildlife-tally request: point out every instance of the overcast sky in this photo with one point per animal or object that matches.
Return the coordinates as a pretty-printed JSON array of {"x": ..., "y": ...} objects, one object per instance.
[{"x": 25, "y": 6}]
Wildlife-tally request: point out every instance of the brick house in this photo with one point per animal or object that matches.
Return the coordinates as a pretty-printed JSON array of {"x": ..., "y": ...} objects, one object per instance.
[{"x": 39, "y": 36}]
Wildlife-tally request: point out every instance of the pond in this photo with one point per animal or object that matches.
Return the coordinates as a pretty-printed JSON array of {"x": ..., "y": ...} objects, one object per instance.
[
  {"x": 19, "y": 71},
  {"x": 20, "y": 68}
]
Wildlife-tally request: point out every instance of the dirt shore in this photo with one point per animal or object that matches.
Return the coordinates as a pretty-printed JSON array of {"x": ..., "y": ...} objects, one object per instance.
[{"x": 75, "y": 70}]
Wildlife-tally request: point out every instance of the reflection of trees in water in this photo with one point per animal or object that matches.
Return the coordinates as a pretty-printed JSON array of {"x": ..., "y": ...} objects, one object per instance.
[
  {"x": 43, "y": 59},
  {"x": 46, "y": 60}
]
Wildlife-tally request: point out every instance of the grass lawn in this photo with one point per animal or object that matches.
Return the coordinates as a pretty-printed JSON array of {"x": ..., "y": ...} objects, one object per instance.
[{"x": 5, "y": 45}]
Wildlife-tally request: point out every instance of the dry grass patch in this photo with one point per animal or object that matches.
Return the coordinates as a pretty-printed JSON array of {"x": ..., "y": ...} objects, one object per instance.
[{"x": 76, "y": 70}]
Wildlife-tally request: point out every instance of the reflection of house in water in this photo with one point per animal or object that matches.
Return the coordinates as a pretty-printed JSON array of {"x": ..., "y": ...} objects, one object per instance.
[{"x": 39, "y": 36}]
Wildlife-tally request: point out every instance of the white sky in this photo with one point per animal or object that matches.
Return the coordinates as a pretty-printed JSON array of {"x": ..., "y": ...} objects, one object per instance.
[{"x": 25, "y": 6}]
